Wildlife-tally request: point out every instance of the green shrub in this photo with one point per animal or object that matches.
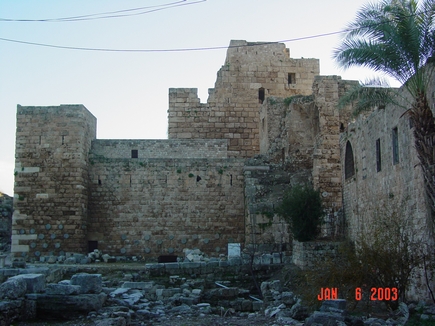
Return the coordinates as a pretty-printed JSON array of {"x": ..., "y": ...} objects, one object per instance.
[{"x": 302, "y": 209}]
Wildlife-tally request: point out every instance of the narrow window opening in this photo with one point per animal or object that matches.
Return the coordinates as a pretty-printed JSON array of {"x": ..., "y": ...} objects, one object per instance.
[
  {"x": 99, "y": 180},
  {"x": 395, "y": 136},
  {"x": 291, "y": 78},
  {"x": 261, "y": 95},
  {"x": 134, "y": 153},
  {"x": 378, "y": 155},
  {"x": 283, "y": 154},
  {"x": 231, "y": 179},
  {"x": 198, "y": 178},
  {"x": 411, "y": 123},
  {"x": 130, "y": 180},
  {"x": 262, "y": 124},
  {"x": 63, "y": 140},
  {"x": 349, "y": 163},
  {"x": 341, "y": 127},
  {"x": 40, "y": 140}
]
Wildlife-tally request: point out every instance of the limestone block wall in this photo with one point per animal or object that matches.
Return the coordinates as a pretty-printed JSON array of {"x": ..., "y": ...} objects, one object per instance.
[
  {"x": 389, "y": 184},
  {"x": 386, "y": 183},
  {"x": 6, "y": 209},
  {"x": 51, "y": 179},
  {"x": 288, "y": 131},
  {"x": 158, "y": 206},
  {"x": 251, "y": 73},
  {"x": 326, "y": 154},
  {"x": 313, "y": 253},
  {"x": 160, "y": 148},
  {"x": 303, "y": 132},
  {"x": 265, "y": 184}
]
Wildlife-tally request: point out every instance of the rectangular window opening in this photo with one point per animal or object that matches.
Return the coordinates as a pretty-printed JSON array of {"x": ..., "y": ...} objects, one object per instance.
[
  {"x": 63, "y": 140},
  {"x": 261, "y": 95},
  {"x": 134, "y": 153},
  {"x": 378, "y": 155},
  {"x": 291, "y": 78},
  {"x": 395, "y": 136}
]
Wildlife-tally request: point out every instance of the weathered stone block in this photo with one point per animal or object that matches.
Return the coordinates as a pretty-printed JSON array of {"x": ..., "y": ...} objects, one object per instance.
[
  {"x": 89, "y": 283},
  {"x": 35, "y": 283},
  {"x": 338, "y": 304},
  {"x": 62, "y": 289},
  {"x": 323, "y": 318},
  {"x": 13, "y": 288},
  {"x": 138, "y": 285},
  {"x": 68, "y": 306}
]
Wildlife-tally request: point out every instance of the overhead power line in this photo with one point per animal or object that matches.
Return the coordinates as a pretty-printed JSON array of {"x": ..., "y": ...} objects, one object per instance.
[
  {"x": 110, "y": 14},
  {"x": 177, "y": 49},
  {"x": 169, "y": 50}
]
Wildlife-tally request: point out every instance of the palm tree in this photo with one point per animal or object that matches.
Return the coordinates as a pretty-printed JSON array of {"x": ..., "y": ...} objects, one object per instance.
[{"x": 397, "y": 38}]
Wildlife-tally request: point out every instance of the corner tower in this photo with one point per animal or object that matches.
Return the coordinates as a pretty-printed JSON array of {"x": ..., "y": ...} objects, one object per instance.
[{"x": 51, "y": 180}]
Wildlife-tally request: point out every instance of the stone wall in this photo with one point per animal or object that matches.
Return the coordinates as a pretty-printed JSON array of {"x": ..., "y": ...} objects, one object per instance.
[
  {"x": 161, "y": 148},
  {"x": 392, "y": 184},
  {"x": 6, "y": 209},
  {"x": 303, "y": 133},
  {"x": 288, "y": 130},
  {"x": 382, "y": 181},
  {"x": 252, "y": 72},
  {"x": 51, "y": 179},
  {"x": 313, "y": 253},
  {"x": 265, "y": 184},
  {"x": 161, "y": 206}
]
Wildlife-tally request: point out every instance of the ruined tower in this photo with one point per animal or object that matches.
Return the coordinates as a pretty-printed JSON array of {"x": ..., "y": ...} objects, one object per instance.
[{"x": 252, "y": 72}]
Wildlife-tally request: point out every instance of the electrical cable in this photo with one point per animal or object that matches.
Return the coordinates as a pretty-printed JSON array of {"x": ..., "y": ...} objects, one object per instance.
[
  {"x": 179, "y": 49},
  {"x": 170, "y": 50},
  {"x": 110, "y": 14}
]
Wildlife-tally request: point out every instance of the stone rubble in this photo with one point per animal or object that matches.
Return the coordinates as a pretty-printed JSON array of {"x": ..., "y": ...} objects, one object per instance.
[{"x": 27, "y": 296}]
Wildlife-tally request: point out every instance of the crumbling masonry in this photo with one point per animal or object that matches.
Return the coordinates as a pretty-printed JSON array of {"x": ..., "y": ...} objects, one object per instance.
[{"x": 206, "y": 186}]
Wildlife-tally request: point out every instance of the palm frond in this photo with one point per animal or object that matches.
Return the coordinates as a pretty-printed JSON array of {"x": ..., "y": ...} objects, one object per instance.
[
  {"x": 374, "y": 93},
  {"x": 393, "y": 36}
]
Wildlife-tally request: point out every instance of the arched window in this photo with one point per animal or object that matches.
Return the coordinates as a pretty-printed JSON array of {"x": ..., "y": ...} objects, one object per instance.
[{"x": 349, "y": 165}]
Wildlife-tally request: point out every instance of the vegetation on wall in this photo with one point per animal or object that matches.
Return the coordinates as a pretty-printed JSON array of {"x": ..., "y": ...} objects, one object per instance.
[{"x": 301, "y": 208}]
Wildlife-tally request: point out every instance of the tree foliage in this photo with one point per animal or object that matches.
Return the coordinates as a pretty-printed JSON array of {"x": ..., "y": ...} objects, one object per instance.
[{"x": 301, "y": 207}]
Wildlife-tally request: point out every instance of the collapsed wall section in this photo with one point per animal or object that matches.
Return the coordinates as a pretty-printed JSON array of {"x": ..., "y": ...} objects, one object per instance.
[
  {"x": 156, "y": 206},
  {"x": 51, "y": 179},
  {"x": 251, "y": 73}
]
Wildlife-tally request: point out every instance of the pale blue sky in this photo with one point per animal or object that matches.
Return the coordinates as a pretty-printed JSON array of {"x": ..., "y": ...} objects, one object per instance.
[{"x": 128, "y": 92}]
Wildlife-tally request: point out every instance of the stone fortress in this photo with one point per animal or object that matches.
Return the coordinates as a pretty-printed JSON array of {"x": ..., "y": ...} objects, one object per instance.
[{"x": 271, "y": 121}]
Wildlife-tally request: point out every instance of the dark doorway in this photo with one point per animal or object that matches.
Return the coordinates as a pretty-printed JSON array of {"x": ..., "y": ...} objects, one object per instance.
[{"x": 92, "y": 245}]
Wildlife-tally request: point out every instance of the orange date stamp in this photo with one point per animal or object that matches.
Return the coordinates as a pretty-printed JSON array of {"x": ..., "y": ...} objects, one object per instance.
[
  {"x": 376, "y": 294},
  {"x": 379, "y": 294}
]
